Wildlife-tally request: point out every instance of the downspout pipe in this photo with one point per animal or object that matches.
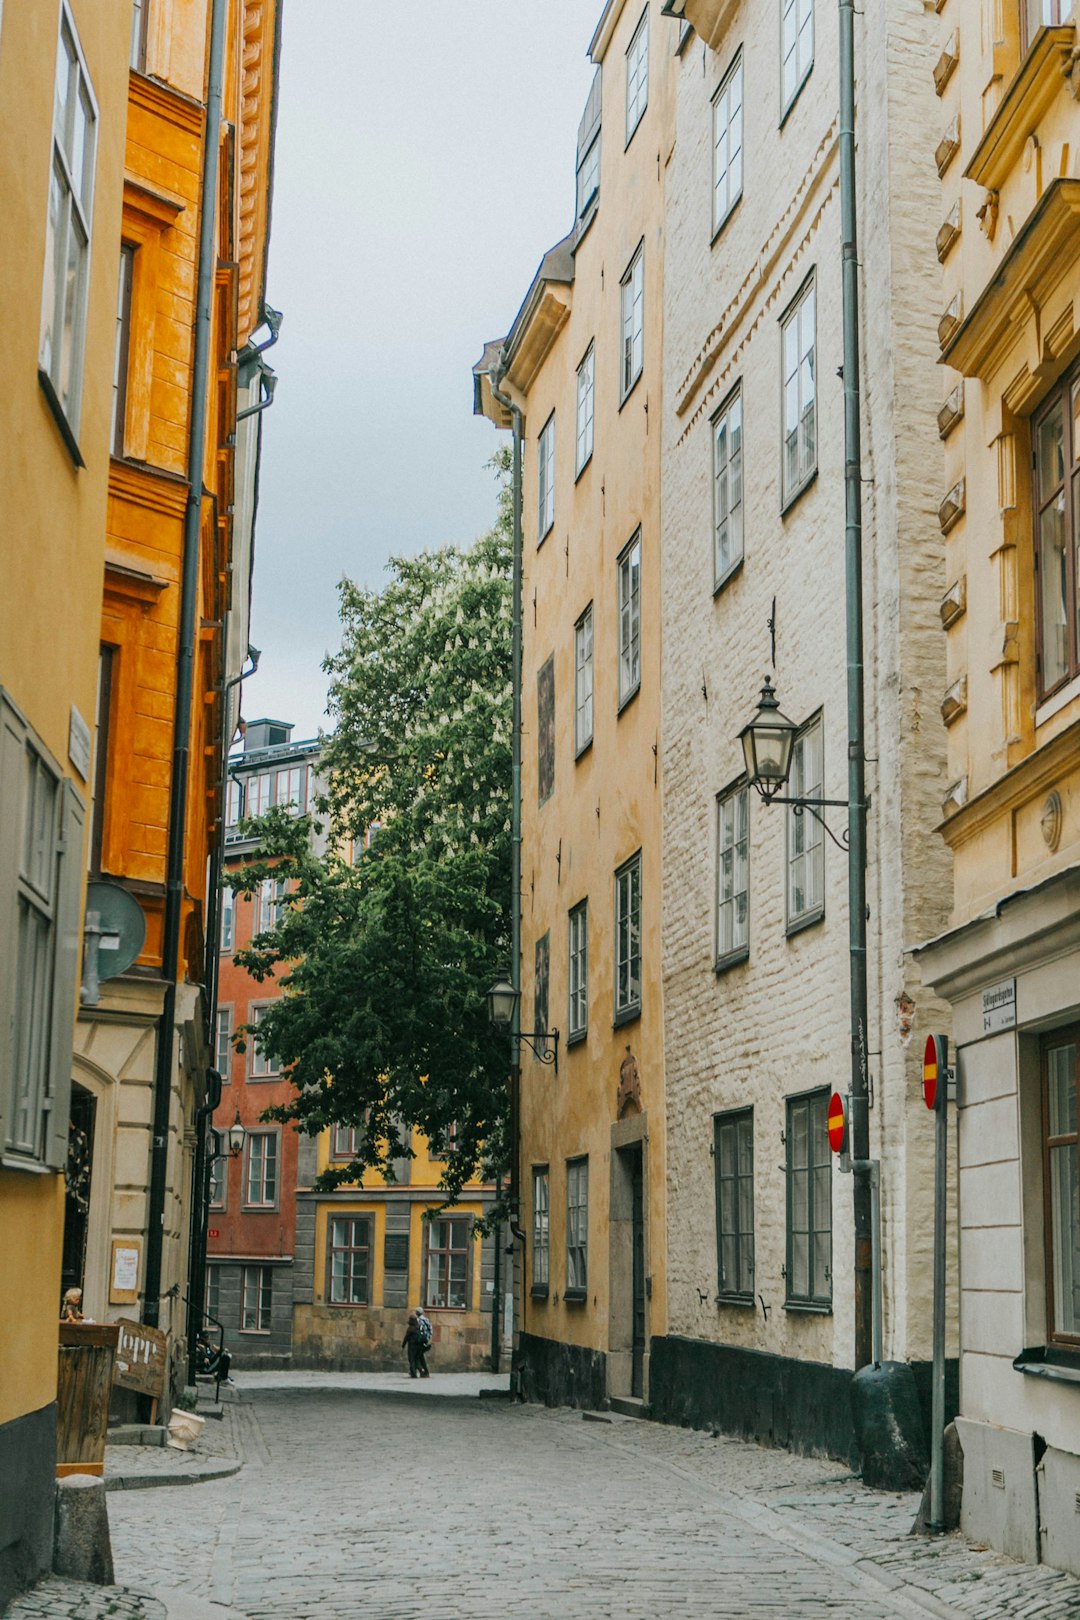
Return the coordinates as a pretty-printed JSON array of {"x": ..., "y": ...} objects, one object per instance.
[
  {"x": 862, "y": 1191},
  {"x": 185, "y": 665}
]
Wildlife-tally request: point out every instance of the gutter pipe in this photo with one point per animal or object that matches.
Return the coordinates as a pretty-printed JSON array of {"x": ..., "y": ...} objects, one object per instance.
[{"x": 185, "y": 663}]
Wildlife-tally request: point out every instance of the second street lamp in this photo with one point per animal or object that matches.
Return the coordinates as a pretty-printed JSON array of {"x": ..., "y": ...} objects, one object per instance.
[
  {"x": 768, "y": 745},
  {"x": 502, "y": 1000}
]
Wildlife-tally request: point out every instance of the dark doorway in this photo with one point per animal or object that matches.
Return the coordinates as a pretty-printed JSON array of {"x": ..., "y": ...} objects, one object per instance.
[
  {"x": 77, "y": 1203},
  {"x": 637, "y": 1372}
]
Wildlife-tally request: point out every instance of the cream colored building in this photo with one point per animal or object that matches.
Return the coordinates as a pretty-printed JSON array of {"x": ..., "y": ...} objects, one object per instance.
[
  {"x": 1006, "y": 133},
  {"x": 583, "y": 362},
  {"x": 755, "y": 922}
]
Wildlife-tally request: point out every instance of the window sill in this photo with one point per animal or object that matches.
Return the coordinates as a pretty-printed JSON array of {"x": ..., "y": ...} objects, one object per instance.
[
  {"x": 538, "y": 1291},
  {"x": 13, "y": 1161},
  {"x": 799, "y": 925},
  {"x": 742, "y": 1302},
  {"x": 585, "y": 748},
  {"x": 718, "y": 230},
  {"x": 575, "y": 1296},
  {"x": 624, "y": 397},
  {"x": 637, "y": 125},
  {"x": 796, "y": 495},
  {"x": 576, "y": 1038},
  {"x": 440, "y": 1308},
  {"x": 808, "y": 1307},
  {"x": 624, "y": 703},
  {"x": 795, "y": 94},
  {"x": 1057, "y": 700},
  {"x": 259, "y": 1209},
  {"x": 52, "y": 399},
  {"x": 349, "y": 1304},
  {"x": 724, "y": 964},
  {"x": 726, "y": 578},
  {"x": 545, "y": 534},
  {"x": 1048, "y": 1361},
  {"x": 586, "y": 217},
  {"x": 584, "y": 466},
  {"x": 627, "y": 1016}
]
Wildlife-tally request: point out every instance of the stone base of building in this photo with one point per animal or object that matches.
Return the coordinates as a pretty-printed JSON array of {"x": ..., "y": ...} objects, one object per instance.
[
  {"x": 27, "y": 1498},
  {"x": 1020, "y": 1495},
  {"x": 556, "y": 1374},
  {"x": 368, "y": 1339}
]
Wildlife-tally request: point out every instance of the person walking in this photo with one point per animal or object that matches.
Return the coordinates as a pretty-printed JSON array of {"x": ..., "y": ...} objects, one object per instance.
[{"x": 414, "y": 1345}]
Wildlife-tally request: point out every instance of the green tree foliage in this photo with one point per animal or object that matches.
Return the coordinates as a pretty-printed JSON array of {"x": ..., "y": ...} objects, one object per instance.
[{"x": 385, "y": 958}]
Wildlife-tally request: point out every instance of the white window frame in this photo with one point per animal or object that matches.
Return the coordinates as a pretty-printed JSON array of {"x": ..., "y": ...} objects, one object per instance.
[
  {"x": 637, "y": 76},
  {"x": 727, "y": 134},
  {"x": 263, "y": 1178},
  {"x": 584, "y": 682},
  {"x": 799, "y": 372},
  {"x": 805, "y": 834},
  {"x": 733, "y": 1159},
  {"x": 219, "y": 1173},
  {"x": 259, "y": 792},
  {"x": 234, "y": 804},
  {"x": 628, "y": 940},
  {"x": 578, "y": 971},
  {"x": 805, "y": 1130},
  {"x": 728, "y": 503},
  {"x": 445, "y": 1288},
  {"x": 732, "y": 875},
  {"x": 541, "y": 1229},
  {"x": 586, "y": 410},
  {"x": 228, "y": 920},
  {"x": 256, "y": 1299},
  {"x": 628, "y": 595},
  {"x": 588, "y": 148},
  {"x": 269, "y": 899},
  {"x": 262, "y": 1066},
  {"x": 342, "y": 1282},
  {"x": 545, "y": 479},
  {"x": 121, "y": 348},
  {"x": 796, "y": 49},
  {"x": 577, "y": 1228},
  {"x": 632, "y": 323},
  {"x": 294, "y": 777},
  {"x": 223, "y": 1050}
]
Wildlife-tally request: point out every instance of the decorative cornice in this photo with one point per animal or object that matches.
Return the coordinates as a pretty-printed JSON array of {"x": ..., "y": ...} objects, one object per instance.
[
  {"x": 158, "y": 206},
  {"x": 711, "y": 19},
  {"x": 1040, "y": 771},
  {"x": 1039, "y": 80},
  {"x": 164, "y": 102},
  {"x": 149, "y": 487}
]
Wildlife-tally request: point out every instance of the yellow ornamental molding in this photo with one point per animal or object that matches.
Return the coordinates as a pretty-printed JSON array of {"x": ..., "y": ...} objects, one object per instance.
[
  {"x": 1040, "y": 80},
  {"x": 945, "y": 65},
  {"x": 953, "y": 506},
  {"x": 952, "y": 412},
  {"x": 955, "y": 797},
  {"x": 954, "y": 602},
  {"x": 1039, "y": 773},
  {"x": 948, "y": 146},
  {"x": 165, "y": 102}
]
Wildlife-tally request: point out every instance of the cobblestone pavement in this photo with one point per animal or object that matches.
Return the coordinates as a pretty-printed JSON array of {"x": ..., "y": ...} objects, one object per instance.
[
  {"x": 379, "y": 1503},
  {"x": 58, "y": 1599}
]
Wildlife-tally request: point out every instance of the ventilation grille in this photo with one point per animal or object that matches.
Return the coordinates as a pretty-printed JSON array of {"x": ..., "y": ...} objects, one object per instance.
[{"x": 997, "y": 1478}]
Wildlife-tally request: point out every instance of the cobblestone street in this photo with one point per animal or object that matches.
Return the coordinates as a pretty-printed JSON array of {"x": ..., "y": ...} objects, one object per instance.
[{"x": 389, "y": 1504}]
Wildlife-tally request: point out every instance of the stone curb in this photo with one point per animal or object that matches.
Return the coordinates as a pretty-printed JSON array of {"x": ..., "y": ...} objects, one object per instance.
[
  {"x": 182, "y": 1606},
  {"x": 222, "y": 1469}
]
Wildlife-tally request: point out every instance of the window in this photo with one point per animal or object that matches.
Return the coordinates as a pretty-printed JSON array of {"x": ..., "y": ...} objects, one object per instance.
[
  {"x": 446, "y": 1142},
  {"x": 213, "y": 1292},
  {"x": 637, "y": 75},
  {"x": 223, "y": 1058},
  {"x": 578, "y": 958},
  {"x": 228, "y": 919},
  {"x": 259, "y": 792},
  {"x": 139, "y": 11},
  {"x": 1061, "y": 1177},
  {"x": 541, "y": 1230},
  {"x": 583, "y": 681},
  {"x": 1043, "y": 14},
  {"x": 799, "y": 328},
  {"x": 577, "y": 1228},
  {"x": 628, "y": 940},
  {"x": 727, "y": 489},
  {"x": 805, "y": 844},
  {"x": 120, "y": 350},
  {"x": 809, "y": 1203},
  {"x": 732, "y": 876},
  {"x": 633, "y": 322},
  {"x": 797, "y": 45},
  {"x": 235, "y": 803},
  {"x": 99, "y": 767},
  {"x": 350, "y": 1260},
  {"x": 586, "y": 389},
  {"x": 219, "y": 1172},
  {"x": 67, "y": 241},
  {"x": 541, "y": 992},
  {"x": 733, "y": 1149},
  {"x": 262, "y": 1064},
  {"x": 448, "y": 1265},
  {"x": 260, "y": 1169},
  {"x": 346, "y": 1141},
  {"x": 41, "y": 866},
  {"x": 290, "y": 789},
  {"x": 629, "y": 566},
  {"x": 1057, "y": 542},
  {"x": 588, "y": 149},
  {"x": 269, "y": 899},
  {"x": 545, "y": 731},
  {"x": 545, "y": 462},
  {"x": 256, "y": 1299},
  {"x": 727, "y": 144}
]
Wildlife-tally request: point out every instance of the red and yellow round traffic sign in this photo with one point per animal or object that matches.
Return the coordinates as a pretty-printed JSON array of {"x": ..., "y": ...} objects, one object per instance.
[
  {"x": 836, "y": 1119},
  {"x": 931, "y": 1071}
]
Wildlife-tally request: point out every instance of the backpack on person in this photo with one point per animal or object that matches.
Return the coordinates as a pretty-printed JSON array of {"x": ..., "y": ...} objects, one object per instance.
[{"x": 424, "y": 1328}]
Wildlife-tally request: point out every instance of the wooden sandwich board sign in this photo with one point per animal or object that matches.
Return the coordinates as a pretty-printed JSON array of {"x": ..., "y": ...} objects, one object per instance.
[{"x": 141, "y": 1359}]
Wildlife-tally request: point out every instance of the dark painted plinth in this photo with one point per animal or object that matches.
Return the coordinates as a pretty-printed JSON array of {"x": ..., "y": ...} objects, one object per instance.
[
  {"x": 556, "y": 1374},
  {"x": 773, "y": 1400},
  {"x": 27, "y": 1493}
]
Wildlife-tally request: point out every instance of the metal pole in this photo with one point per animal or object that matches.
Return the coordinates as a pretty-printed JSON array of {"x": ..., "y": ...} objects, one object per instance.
[
  {"x": 867, "y": 1264},
  {"x": 875, "y": 1221},
  {"x": 937, "y": 1410}
]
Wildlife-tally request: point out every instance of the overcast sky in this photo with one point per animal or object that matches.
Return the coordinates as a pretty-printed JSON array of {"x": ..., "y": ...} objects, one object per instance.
[{"x": 424, "y": 164}]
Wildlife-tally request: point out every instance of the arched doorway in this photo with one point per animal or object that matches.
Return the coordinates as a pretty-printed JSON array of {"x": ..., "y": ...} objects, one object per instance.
[{"x": 77, "y": 1178}]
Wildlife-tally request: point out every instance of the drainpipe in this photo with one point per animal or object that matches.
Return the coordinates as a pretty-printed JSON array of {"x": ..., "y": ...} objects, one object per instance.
[
  {"x": 185, "y": 663},
  {"x": 862, "y": 1190}
]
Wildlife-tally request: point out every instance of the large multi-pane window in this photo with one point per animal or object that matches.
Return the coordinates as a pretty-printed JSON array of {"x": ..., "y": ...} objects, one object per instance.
[
  {"x": 797, "y": 45},
  {"x": 578, "y": 963},
  {"x": 583, "y": 681},
  {"x": 728, "y": 143},
  {"x": 632, "y": 322},
  {"x": 346, "y": 1141},
  {"x": 588, "y": 149},
  {"x": 224, "y": 1050},
  {"x": 586, "y": 404},
  {"x": 733, "y": 1153},
  {"x": 350, "y": 1260},
  {"x": 139, "y": 11},
  {"x": 637, "y": 75},
  {"x": 545, "y": 481},
  {"x": 270, "y": 897},
  {"x": 629, "y": 599},
  {"x": 1057, "y": 546},
  {"x": 809, "y": 1202},
  {"x": 628, "y": 939},
  {"x": 256, "y": 1299},
  {"x": 67, "y": 239},
  {"x": 261, "y": 1169},
  {"x": 732, "y": 876},
  {"x": 262, "y": 1064},
  {"x": 805, "y": 841},
  {"x": 290, "y": 789},
  {"x": 799, "y": 354},
  {"x": 120, "y": 348},
  {"x": 727, "y": 488},
  {"x": 447, "y": 1282},
  {"x": 228, "y": 919},
  {"x": 1061, "y": 1175},
  {"x": 541, "y": 1229},
  {"x": 259, "y": 791},
  {"x": 577, "y": 1228}
]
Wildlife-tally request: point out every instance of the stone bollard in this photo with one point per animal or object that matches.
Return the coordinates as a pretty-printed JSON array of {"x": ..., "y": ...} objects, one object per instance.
[{"x": 82, "y": 1550}]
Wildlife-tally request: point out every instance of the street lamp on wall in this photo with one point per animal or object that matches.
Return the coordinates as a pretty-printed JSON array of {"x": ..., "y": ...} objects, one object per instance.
[
  {"x": 502, "y": 1000},
  {"x": 768, "y": 745},
  {"x": 236, "y": 1137}
]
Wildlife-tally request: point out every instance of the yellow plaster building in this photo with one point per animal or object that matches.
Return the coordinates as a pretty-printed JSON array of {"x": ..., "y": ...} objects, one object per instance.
[
  {"x": 582, "y": 363},
  {"x": 1009, "y": 242}
]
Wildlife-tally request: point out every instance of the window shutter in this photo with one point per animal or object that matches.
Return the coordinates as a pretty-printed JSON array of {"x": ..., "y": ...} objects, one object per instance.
[
  {"x": 65, "y": 975},
  {"x": 12, "y": 778}
]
